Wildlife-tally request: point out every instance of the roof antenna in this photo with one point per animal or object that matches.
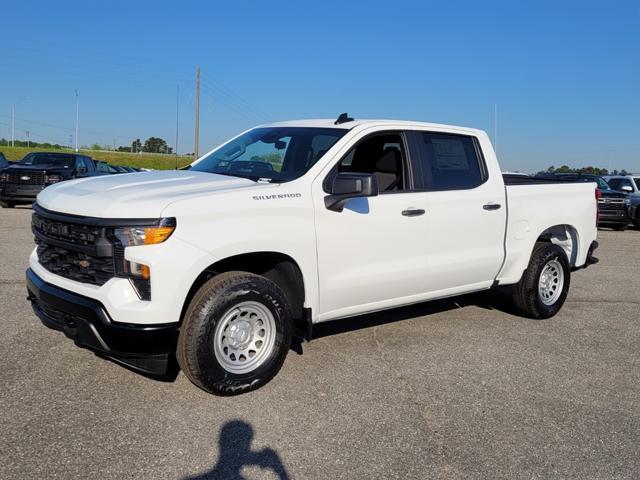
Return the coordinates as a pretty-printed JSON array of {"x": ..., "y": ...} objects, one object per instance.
[{"x": 343, "y": 118}]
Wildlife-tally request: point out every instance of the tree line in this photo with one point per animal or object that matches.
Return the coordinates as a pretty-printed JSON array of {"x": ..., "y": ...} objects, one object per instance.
[
  {"x": 587, "y": 170},
  {"x": 150, "y": 145}
]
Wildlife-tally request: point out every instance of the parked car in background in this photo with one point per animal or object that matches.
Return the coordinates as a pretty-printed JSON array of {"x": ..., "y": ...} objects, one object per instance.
[
  {"x": 631, "y": 185},
  {"x": 21, "y": 182},
  {"x": 625, "y": 183},
  {"x": 613, "y": 205}
]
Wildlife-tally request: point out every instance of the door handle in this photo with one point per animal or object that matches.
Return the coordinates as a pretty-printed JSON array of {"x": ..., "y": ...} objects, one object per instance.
[
  {"x": 413, "y": 212},
  {"x": 491, "y": 206}
]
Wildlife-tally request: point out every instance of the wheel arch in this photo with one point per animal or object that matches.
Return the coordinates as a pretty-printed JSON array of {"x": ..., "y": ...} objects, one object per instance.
[
  {"x": 278, "y": 267},
  {"x": 519, "y": 250},
  {"x": 566, "y": 237}
]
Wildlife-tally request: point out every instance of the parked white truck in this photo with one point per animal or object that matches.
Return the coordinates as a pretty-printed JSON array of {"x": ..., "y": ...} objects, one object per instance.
[{"x": 288, "y": 225}]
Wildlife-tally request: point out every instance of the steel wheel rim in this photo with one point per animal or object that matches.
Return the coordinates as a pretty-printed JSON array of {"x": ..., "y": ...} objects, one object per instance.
[
  {"x": 244, "y": 337},
  {"x": 551, "y": 282}
]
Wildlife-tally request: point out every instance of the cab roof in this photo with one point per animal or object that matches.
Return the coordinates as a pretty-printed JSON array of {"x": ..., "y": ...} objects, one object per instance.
[{"x": 331, "y": 123}]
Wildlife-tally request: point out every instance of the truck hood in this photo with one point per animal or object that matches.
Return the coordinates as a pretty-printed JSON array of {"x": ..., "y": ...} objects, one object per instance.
[
  {"x": 133, "y": 195},
  {"x": 19, "y": 167}
]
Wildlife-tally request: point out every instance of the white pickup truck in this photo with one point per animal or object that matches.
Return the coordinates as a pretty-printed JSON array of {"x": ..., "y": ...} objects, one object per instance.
[{"x": 290, "y": 224}]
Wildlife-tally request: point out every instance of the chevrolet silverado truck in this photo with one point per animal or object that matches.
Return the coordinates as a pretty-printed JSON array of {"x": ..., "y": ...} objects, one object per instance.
[
  {"x": 220, "y": 265},
  {"x": 21, "y": 182}
]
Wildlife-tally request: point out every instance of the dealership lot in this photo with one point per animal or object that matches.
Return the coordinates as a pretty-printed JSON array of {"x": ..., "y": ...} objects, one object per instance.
[{"x": 452, "y": 389}]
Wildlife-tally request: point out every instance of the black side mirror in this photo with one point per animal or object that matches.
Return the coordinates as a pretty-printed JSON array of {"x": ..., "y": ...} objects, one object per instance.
[{"x": 350, "y": 185}]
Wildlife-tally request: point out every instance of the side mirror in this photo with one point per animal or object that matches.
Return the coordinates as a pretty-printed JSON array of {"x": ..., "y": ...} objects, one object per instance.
[
  {"x": 350, "y": 185},
  {"x": 627, "y": 188}
]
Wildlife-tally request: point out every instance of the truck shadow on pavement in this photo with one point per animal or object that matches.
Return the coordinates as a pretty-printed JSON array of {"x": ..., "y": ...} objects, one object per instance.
[
  {"x": 234, "y": 447},
  {"x": 489, "y": 300}
]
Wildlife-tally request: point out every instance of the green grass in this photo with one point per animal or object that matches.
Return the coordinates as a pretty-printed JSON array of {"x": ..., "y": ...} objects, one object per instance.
[{"x": 142, "y": 160}]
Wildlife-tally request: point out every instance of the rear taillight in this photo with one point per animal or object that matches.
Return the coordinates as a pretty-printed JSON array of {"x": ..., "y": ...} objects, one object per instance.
[{"x": 598, "y": 194}]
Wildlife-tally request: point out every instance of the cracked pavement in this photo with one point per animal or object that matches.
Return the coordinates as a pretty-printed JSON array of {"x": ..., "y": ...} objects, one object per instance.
[{"x": 459, "y": 388}]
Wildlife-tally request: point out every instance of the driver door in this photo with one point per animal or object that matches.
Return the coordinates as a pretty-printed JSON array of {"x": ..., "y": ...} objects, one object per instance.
[{"x": 373, "y": 254}]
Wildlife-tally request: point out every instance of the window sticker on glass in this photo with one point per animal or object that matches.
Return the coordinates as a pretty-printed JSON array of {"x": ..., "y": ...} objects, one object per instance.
[{"x": 450, "y": 154}]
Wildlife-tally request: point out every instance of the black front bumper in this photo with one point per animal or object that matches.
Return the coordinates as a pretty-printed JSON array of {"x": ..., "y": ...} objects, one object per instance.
[
  {"x": 10, "y": 192},
  {"x": 146, "y": 348},
  {"x": 613, "y": 217}
]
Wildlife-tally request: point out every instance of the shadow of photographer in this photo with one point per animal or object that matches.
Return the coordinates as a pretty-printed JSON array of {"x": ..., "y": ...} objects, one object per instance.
[{"x": 234, "y": 447}]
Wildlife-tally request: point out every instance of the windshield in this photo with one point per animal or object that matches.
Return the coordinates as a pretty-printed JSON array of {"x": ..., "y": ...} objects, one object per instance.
[
  {"x": 637, "y": 180},
  {"x": 277, "y": 154},
  {"x": 53, "y": 159}
]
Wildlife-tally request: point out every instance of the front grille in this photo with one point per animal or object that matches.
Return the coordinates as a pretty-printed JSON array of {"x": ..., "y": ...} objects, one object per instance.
[
  {"x": 85, "y": 235},
  {"x": 75, "y": 265},
  {"x": 611, "y": 204},
  {"x": 26, "y": 178},
  {"x": 79, "y": 252}
]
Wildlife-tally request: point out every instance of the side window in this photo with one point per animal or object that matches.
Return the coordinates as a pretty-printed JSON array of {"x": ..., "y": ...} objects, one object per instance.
[
  {"x": 380, "y": 154},
  {"x": 80, "y": 165},
  {"x": 447, "y": 161}
]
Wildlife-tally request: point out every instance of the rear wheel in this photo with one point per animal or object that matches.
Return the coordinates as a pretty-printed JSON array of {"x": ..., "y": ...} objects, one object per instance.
[
  {"x": 544, "y": 285},
  {"x": 236, "y": 334},
  {"x": 7, "y": 204}
]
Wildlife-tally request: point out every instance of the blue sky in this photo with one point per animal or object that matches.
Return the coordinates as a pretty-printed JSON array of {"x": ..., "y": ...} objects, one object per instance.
[{"x": 565, "y": 76}]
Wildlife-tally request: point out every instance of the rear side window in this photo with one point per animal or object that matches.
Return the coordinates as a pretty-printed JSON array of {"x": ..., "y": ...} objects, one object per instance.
[{"x": 446, "y": 161}]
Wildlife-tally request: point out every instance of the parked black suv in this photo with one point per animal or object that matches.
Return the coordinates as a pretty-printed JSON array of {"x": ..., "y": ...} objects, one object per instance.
[
  {"x": 20, "y": 183},
  {"x": 612, "y": 204}
]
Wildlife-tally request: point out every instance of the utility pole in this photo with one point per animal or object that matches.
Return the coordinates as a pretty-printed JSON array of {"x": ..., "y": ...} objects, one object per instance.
[
  {"x": 196, "y": 149},
  {"x": 28, "y": 143},
  {"x": 177, "y": 116},
  {"x": 77, "y": 117},
  {"x": 13, "y": 124}
]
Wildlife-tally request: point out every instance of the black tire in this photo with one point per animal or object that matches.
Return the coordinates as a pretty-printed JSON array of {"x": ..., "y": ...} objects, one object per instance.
[
  {"x": 526, "y": 296},
  {"x": 195, "y": 351},
  {"x": 7, "y": 204},
  {"x": 619, "y": 228},
  {"x": 637, "y": 222}
]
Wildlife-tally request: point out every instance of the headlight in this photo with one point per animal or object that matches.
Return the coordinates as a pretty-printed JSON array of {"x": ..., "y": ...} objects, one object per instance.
[
  {"x": 627, "y": 201},
  {"x": 52, "y": 179},
  {"x": 4, "y": 177},
  {"x": 134, "y": 236},
  {"x": 139, "y": 274}
]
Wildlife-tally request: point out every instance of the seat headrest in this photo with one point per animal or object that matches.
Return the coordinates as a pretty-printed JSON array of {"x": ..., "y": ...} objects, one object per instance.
[{"x": 389, "y": 162}]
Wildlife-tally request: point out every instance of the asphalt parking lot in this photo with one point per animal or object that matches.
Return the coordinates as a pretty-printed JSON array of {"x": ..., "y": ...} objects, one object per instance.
[{"x": 453, "y": 389}]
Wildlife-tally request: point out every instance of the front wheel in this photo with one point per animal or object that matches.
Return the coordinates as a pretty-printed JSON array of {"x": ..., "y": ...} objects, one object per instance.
[
  {"x": 7, "y": 204},
  {"x": 544, "y": 285},
  {"x": 236, "y": 334}
]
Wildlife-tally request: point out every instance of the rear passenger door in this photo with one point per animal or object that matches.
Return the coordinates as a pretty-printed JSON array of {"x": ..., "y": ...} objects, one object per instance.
[{"x": 466, "y": 211}]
